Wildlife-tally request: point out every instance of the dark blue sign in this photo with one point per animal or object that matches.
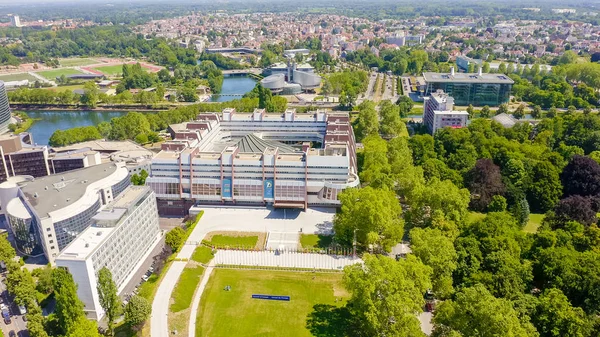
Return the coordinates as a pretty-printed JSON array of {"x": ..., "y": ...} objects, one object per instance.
[
  {"x": 271, "y": 297},
  {"x": 268, "y": 185}
]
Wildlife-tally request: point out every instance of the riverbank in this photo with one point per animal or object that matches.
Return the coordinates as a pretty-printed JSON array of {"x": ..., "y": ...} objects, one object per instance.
[{"x": 83, "y": 108}]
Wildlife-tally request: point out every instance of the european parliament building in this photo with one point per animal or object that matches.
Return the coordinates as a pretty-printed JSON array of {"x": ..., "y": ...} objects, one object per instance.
[
  {"x": 285, "y": 160},
  {"x": 470, "y": 88}
]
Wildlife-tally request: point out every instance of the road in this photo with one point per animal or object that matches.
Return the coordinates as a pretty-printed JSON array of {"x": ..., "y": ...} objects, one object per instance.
[
  {"x": 232, "y": 219},
  {"x": 17, "y": 324}
]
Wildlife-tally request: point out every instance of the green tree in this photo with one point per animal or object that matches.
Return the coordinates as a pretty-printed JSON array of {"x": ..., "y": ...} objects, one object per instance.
[
  {"x": 44, "y": 279},
  {"x": 372, "y": 215},
  {"x": 84, "y": 327},
  {"x": 536, "y": 112},
  {"x": 544, "y": 188},
  {"x": 471, "y": 111},
  {"x": 476, "y": 312},
  {"x": 387, "y": 295},
  {"x": 556, "y": 317},
  {"x": 139, "y": 179},
  {"x": 7, "y": 252},
  {"x": 69, "y": 309},
  {"x": 436, "y": 250},
  {"x": 552, "y": 112},
  {"x": 485, "y": 112},
  {"x": 137, "y": 310},
  {"x": 20, "y": 283},
  {"x": 90, "y": 94},
  {"x": 503, "y": 108},
  {"x": 368, "y": 120},
  {"x": 443, "y": 196},
  {"x": 405, "y": 104},
  {"x": 175, "y": 238},
  {"x": 391, "y": 125},
  {"x": 497, "y": 204},
  {"x": 108, "y": 297},
  {"x": 519, "y": 112}
]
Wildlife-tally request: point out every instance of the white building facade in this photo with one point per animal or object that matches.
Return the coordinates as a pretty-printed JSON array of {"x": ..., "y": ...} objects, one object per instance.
[
  {"x": 47, "y": 213},
  {"x": 122, "y": 236},
  {"x": 258, "y": 158},
  {"x": 438, "y": 112}
]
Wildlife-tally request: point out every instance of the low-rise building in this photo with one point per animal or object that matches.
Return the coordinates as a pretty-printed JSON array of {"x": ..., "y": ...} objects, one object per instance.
[{"x": 122, "y": 235}]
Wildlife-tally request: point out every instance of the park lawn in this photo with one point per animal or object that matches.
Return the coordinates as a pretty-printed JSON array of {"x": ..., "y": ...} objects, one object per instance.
[
  {"x": 315, "y": 240},
  {"x": 77, "y": 62},
  {"x": 247, "y": 242},
  {"x": 234, "y": 313},
  {"x": 18, "y": 77},
  {"x": 535, "y": 220},
  {"x": 202, "y": 254},
  {"x": 53, "y": 74},
  {"x": 185, "y": 288}
]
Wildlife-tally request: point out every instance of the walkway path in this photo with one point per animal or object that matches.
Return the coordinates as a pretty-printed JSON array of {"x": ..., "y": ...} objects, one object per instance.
[
  {"x": 197, "y": 297},
  {"x": 232, "y": 219}
]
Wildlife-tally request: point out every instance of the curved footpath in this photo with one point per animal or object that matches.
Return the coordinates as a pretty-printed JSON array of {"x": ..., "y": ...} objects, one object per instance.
[{"x": 228, "y": 219}]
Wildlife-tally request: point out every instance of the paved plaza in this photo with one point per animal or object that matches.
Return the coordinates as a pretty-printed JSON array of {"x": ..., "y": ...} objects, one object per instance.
[
  {"x": 283, "y": 259},
  {"x": 283, "y": 240}
]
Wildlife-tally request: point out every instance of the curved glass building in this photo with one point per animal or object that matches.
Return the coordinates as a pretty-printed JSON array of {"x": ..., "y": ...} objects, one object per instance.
[{"x": 4, "y": 108}]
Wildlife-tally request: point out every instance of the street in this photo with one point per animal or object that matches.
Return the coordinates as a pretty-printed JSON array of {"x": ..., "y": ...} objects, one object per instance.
[{"x": 17, "y": 324}]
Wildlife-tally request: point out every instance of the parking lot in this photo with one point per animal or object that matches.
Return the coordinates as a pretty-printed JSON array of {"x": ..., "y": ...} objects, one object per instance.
[{"x": 17, "y": 324}]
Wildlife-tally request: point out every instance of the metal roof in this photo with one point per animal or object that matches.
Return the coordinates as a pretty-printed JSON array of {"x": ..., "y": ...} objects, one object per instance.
[
  {"x": 254, "y": 144},
  {"x": 467, "y": 78}
]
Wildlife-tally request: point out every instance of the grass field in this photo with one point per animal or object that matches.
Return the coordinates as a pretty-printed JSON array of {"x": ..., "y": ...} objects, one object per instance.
[
  {"x": 247, "y": 242},
  {"x": 65, "y": 87},
  {"x": 111, "y": 70},
  {"x": 76, "y": 62},
  {"x": 234, "y": 313},
  {"x": 535, "y": 220},
  {"x": 184, "y": 290},
  {"x": 17, "y": 77},
  {"x": 202, "y": 254},
  {"x": 53, "y": 74},
  {"x": 315, "y": 240}
]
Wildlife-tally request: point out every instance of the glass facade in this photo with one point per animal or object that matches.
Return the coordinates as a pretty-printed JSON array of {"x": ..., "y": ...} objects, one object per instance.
[
  {"x": 25, "y": 234},
  {"x": 478, "y": 94},
  {"x": 68, "y": 229},
  {"x": 120, "y": 186}
]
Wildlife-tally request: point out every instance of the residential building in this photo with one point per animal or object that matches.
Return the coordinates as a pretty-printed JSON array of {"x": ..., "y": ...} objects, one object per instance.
[
  {"x": 121, "y": 237},
  {"x": 438, "y": 112},
  {"x": 478, "y": 89},
  {"x": 45, "y": 214},
  {"x": 255, "y": 159}
]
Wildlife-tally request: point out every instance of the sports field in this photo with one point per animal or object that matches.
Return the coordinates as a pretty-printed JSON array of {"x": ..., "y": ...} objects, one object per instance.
[
  {"x": 17, "y": 77},
  {"x": 76, "y": 62},
  {"x": 53, "y": 74},
  {"x": 234, "y": 313},
  {"x": 110, "y": 70}
]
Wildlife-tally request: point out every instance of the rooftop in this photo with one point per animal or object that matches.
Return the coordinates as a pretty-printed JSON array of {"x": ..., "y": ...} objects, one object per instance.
[
  {"x": 57, "y": 191},
  {"x": 254, "y": 144},
  {"x": 467, "y": 78}
]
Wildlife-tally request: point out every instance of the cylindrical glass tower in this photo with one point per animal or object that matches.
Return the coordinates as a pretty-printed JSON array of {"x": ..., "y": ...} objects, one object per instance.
[{"x": 4, "y": 108}]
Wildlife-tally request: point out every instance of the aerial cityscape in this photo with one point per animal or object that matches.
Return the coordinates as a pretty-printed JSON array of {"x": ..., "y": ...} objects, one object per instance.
[{"x": 273, "y": 168}]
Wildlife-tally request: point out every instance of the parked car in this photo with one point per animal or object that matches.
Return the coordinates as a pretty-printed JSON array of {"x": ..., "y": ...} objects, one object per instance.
[
  {"x": 12, "y": 333},
  {"x": 6, "y": 317},
  {"x": 22, "y": 310},
  {"x": 145, "y": 277}
]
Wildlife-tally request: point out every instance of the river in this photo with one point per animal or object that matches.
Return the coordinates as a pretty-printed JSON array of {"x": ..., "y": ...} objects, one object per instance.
[
  {"x": 50, "y": 121},
  {"x": 234, "y": 85}
]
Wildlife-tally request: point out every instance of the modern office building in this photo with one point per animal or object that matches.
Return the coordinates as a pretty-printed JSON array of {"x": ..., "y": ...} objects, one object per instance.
[
  {"x": 438, "y": 112},
  {"x": 45, "y": 214},
  {"x": 290, "y": 78},
  {"x": 19, "y": 157},
  {"x": 463, "y": 63},
  {"x": 122, "y": 235},
  {"x": 470, "y": 88},
  {"x": 4, "y": 109},
  {"x": 284, "y": 160}
]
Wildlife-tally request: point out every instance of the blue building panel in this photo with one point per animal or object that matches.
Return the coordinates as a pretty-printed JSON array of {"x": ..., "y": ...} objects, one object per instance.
[
  {"x": 269, "y": 188},
  {"x": 226, "y": 188}
]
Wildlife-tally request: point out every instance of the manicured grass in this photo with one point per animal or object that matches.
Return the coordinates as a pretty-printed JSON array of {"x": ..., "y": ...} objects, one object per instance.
[
  {"x": 234, "y": 313},
  {"x": 315, "y": 240},
  {"x": 76, "y": 62},
  {"x": 146, "y": 290},
  {"x": 53, "y": 74},
  {"x": 202, "y": 254},
  {"x": 17, "y": 77},
  {"x": 184, "y": 290},
  {"x": 111, "y": 70},
  {"x": 247, "y": 242},
  {"x": 535, "y": 220}
]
